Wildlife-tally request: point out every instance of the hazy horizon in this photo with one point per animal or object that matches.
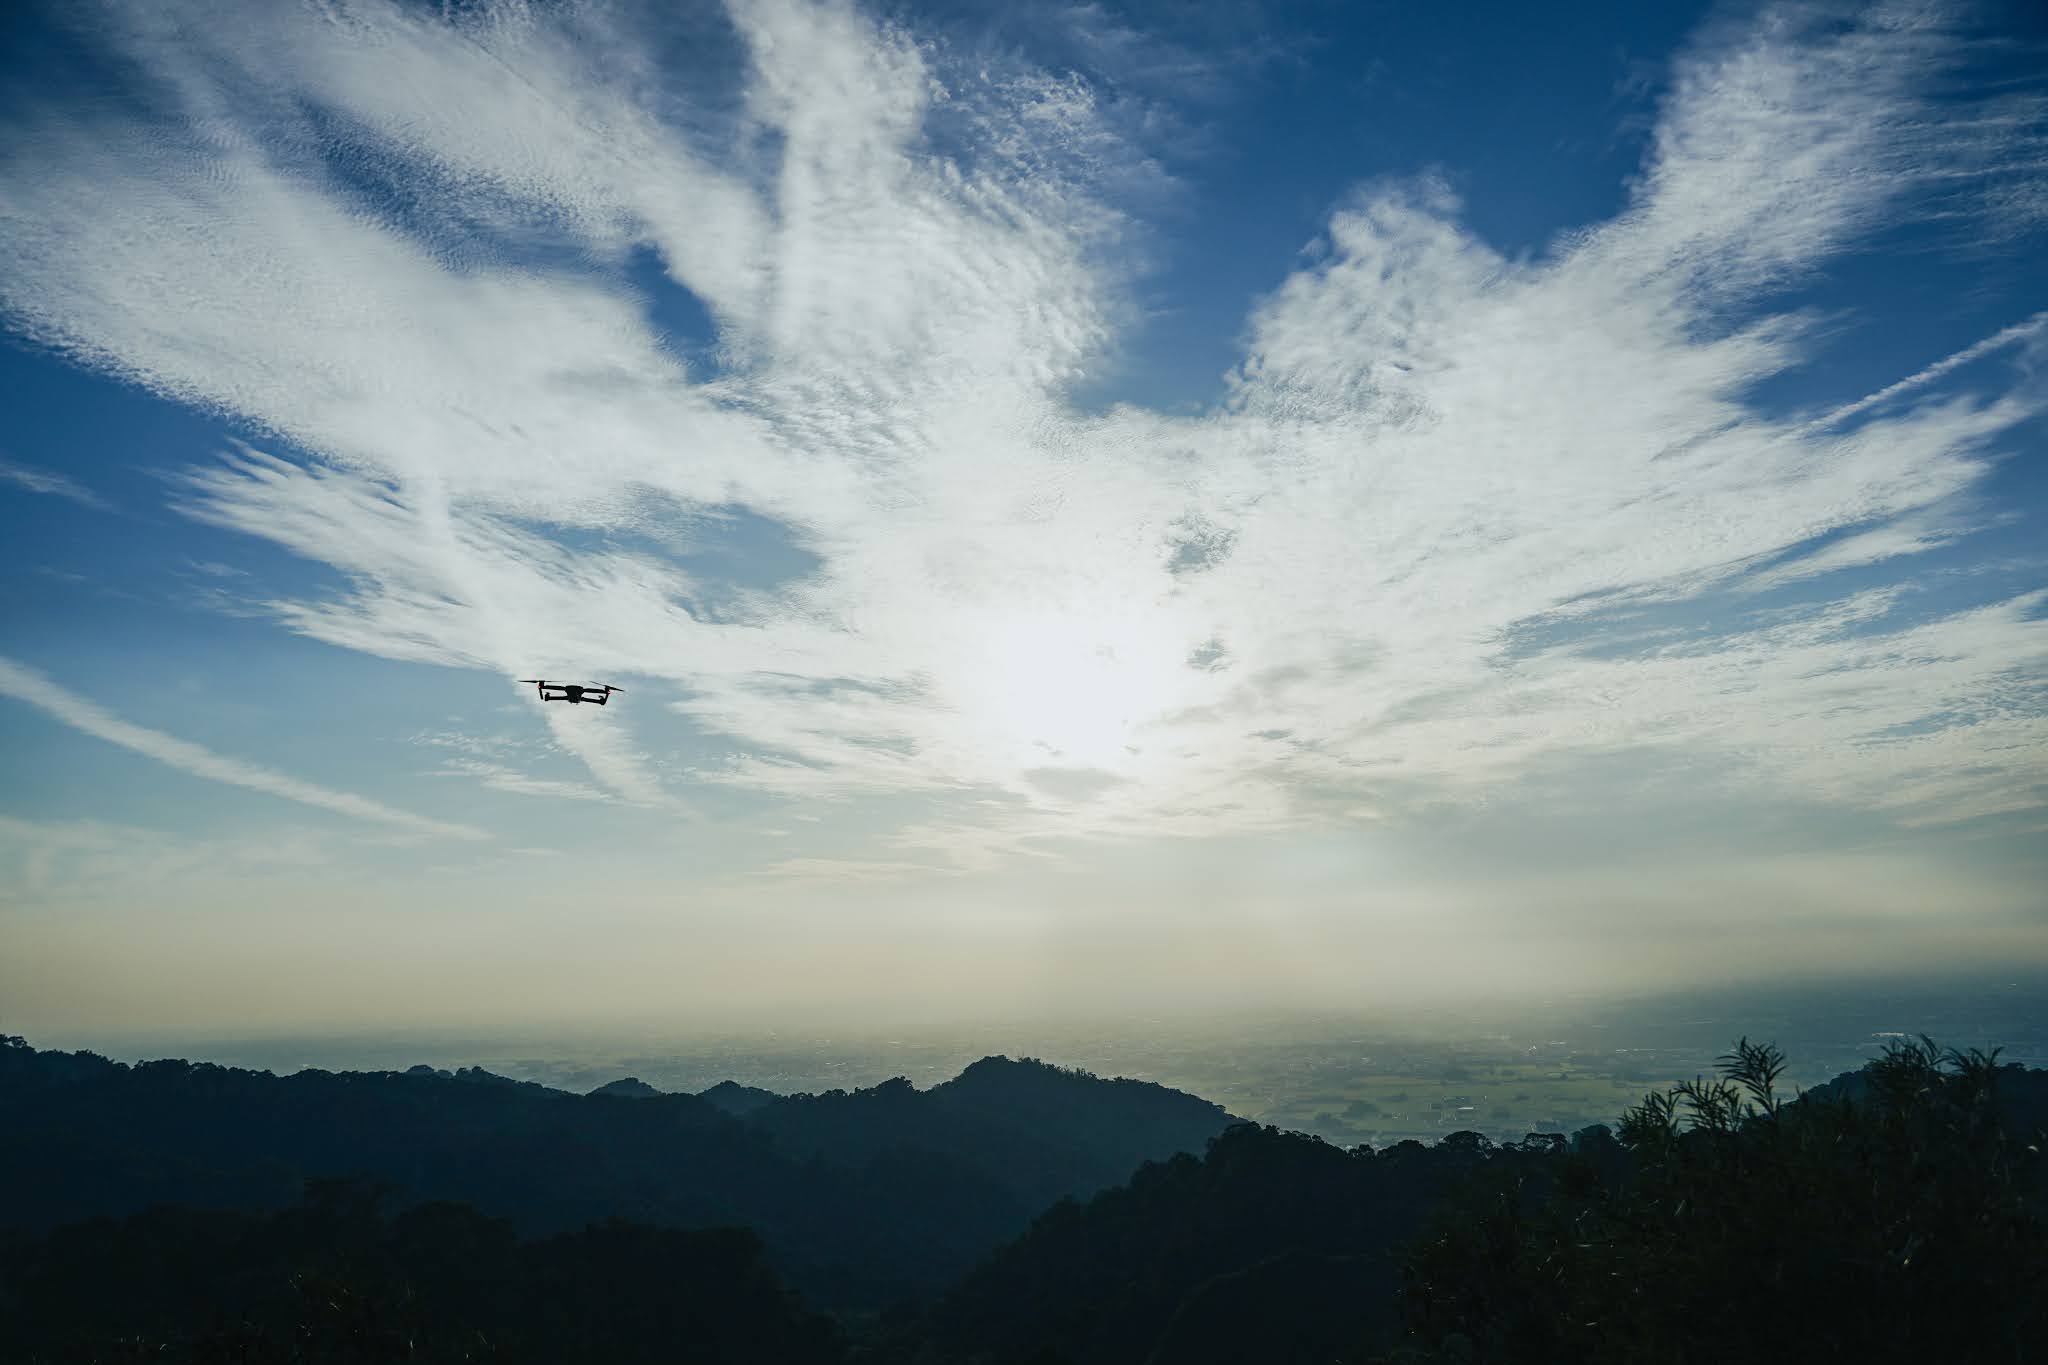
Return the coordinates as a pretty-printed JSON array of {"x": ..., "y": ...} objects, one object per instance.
[{"x": 1363, "y": 1075}]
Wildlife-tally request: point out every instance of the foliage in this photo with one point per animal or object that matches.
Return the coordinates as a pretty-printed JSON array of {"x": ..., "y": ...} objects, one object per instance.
[
  {"x": 1274, "y": 1248},
  {"x": 1894, "y": 1214},
  {"x": 333, "y": 1281},
  {"x": 862, "y": 1197},
  {"x": 1898, "y": 1219}
]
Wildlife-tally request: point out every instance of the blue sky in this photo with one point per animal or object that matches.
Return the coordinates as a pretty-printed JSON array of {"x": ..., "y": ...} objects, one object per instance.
[{"x": 1184, "y": 503}]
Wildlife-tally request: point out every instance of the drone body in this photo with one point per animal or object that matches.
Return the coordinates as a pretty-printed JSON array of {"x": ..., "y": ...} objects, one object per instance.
[{"x": 597, "y": 694}]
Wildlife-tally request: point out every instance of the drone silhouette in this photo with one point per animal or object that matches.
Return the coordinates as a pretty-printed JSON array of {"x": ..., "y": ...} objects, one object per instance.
[{"x": 597, "y": 694}]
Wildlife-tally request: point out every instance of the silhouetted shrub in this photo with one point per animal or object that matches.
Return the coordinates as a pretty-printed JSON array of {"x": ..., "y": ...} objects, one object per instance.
[{"x": 1897, "y": 1218}]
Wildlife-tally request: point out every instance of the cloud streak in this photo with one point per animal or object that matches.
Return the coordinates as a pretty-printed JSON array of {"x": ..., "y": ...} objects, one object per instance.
[
  {"x": 47, "y": 695},
  {"x": 51, "y": 484}
]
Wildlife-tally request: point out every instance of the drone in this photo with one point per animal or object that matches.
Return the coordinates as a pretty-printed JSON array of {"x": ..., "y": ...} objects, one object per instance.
[{"x": 595, "y": 693}]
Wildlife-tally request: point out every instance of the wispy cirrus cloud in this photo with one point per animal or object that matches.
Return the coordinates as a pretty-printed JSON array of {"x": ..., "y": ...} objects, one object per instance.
[
  {"x": 46, "y": 694},
  {"x": 51, "y": 483},
  {"x": 1306, "y": 604},
  {"x": 498, "y": 777}
]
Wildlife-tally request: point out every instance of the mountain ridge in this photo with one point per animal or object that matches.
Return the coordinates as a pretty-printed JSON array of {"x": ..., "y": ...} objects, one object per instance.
[{"x": 862, "y": 1197}]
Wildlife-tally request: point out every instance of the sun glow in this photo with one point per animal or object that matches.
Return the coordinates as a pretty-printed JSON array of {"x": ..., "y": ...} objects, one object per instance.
[{"x": 1070, "y": 690}]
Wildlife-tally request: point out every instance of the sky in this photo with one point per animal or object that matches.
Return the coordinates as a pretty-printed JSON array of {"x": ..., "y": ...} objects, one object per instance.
[{"x": 1166, "y": 506}]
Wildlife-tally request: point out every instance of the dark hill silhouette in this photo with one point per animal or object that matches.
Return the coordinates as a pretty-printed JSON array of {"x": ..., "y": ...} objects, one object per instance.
[
  {"x": 627, "y": 1088},
  {"x": 1314, "y": 1306},
  {"x": 1917, "y": 1233},
  {"x": 1899, "y": 1216},
  {"x": 1145, "y": 1271},
  {"x": 1045, "y": 1132},
  {"x": 2021, "y": 1094},
  {"x": 736, "y": 1099},
  {"x": 862, "y": 1197},
  {"x": 333, "y": 1279},
  {"x": 1915, "y": 1228}
]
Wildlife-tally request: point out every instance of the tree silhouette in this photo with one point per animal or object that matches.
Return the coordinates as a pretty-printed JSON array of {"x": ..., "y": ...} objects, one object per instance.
[{"x": 1899, "y": 1219}]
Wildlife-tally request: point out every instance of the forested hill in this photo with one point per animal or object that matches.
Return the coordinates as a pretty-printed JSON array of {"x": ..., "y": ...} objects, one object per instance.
[
  {"x": 339, "y": 1280},
  {"x": 862, "y": 1197},
  {"x": 1308, "y": 1232},
  {"x": 738, "y": 1099},
  {"x": 1050, "y": 1133},
  {"x": 1897, "y": 1215}
]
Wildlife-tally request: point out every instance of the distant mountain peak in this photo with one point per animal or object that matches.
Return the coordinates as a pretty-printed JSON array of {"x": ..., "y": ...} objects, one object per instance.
[
  {"x": 736, "y": 1099},
  {"x": 627, "y": 1087},
  {"x": 1024, "y": 1078},
  {"x": 1000, "y": 1068},
  {"x": 476, "y": 1075}
]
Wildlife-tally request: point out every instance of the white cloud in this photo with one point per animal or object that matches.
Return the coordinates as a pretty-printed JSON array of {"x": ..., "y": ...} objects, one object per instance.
[
  {"x": 498, "y": 777},
  {"x": 54, "y": 699},
  {"x": 2019, "y": 332},
  {"x": 1431, "y": 448},
  {"x": 51, "y": 483}
]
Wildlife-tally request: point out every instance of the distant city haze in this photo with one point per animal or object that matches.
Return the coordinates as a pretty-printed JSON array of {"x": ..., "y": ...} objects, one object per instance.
[
  {"x": 1100, "y": 513},
  {"x": 1360, "y": 1075}
]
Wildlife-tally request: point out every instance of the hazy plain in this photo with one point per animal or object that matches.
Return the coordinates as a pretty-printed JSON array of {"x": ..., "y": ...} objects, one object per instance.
[{"x": 1348, "y": 1078}]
